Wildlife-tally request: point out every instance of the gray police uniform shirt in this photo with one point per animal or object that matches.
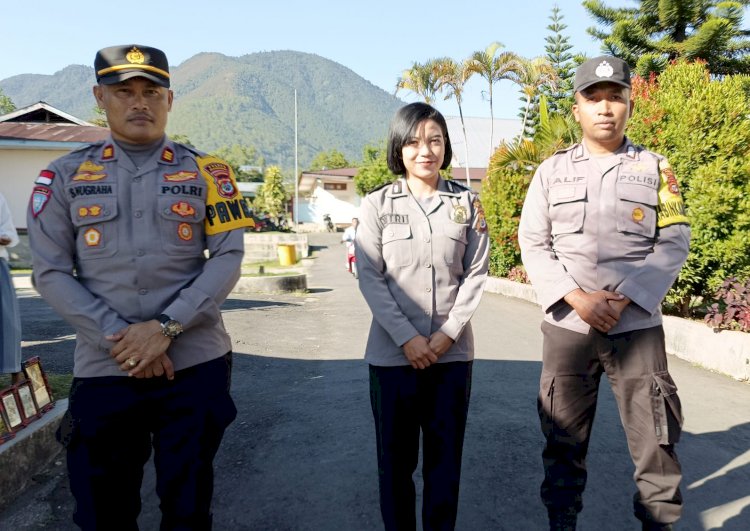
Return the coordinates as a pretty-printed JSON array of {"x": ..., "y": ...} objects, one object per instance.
[
  {"x": 421, "y": 272},
  {"x": 621, "y": 230},
  {"x": 113, "y": 245}
]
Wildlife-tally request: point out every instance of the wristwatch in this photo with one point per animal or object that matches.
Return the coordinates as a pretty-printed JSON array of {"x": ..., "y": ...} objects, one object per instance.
[{"x": 171, "y": 328}]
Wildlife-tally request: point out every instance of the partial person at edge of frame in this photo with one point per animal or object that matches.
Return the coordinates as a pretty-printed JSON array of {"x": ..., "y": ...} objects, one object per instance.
[
  {"x": 118, "y": 231},
  {"x": 10, "y": 314}
]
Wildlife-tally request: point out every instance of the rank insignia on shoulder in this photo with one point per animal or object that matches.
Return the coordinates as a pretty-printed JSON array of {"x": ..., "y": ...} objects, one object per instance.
[
  {"x": 45, "y": 178},
  {"x": 108, "y": 153},
  {"x": 39, "y": 199},
  {"x": 167, "y": 155},
  {"x": 480, "y": 225}
]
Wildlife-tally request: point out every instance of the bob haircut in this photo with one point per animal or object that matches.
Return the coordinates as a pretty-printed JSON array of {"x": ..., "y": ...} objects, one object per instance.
[{"x": 404, "y": 126}]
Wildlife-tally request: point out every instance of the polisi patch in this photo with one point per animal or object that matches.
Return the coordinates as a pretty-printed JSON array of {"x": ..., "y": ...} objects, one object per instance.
[
  {"x": 221, "y": 175},
  {"x": 92, "y": 237},
  {"x": 39, "y": 198}
]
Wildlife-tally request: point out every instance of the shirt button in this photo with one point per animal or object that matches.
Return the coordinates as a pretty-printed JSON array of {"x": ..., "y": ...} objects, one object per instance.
[
  {"x": 142, "y": 291},
  {"x": 428, "y": 265},
  {"x": 136, "y": 179},
  {"x": 390, "y": 233},
  {"x": 138, "y": 213},
  {"x": 428, "y": 290},
  {"x": 140, "y": 252},
  {"x": 427, "y": 239}
]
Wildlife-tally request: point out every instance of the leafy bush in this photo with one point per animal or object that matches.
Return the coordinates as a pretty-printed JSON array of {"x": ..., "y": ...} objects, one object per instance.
[
  {"x": 732, "y": 309},
  {"x": 702, "y": 125}
]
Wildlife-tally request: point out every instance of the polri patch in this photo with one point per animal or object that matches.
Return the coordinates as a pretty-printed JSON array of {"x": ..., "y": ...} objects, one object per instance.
[
  {"x": 185, "y": 232},
  {"x": 92, "y": 237},
  {"x": 183, "y": 209},
  {"x": 39, "y": 199},
  {"x": 45, "y": 178}
]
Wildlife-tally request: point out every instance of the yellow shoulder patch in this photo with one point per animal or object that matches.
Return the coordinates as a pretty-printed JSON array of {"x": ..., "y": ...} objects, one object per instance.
[
  {"x": 226, "y": 209},
  {"x": 671, "y": 208}
]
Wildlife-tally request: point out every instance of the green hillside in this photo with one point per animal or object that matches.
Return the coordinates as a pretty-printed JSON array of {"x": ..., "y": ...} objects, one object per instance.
[{"x": 248, "y": 100}]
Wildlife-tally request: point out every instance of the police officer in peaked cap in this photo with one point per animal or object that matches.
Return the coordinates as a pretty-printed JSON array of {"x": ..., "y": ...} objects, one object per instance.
[
  {"x": 603, "y": 236},
  {"x": 119, "y": 231}
]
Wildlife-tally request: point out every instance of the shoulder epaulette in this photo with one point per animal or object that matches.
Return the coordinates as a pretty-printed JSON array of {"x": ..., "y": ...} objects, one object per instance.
[
  {"x": 456, "y": 187},
  {"x": 566, "y": 149},
  {"x": 88, "y": 146},
  {"x": 381, "y": 186}
]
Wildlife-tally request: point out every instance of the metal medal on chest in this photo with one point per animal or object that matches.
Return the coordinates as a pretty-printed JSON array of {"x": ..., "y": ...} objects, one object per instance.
[{"x": 459, "y": 214}]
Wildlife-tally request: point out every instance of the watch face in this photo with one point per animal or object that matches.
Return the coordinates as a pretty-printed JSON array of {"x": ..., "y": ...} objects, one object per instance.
[{"x": 172, "y": 328}]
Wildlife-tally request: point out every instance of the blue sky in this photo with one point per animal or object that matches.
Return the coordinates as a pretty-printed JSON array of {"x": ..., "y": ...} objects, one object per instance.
[{"x": 377, "y": 40}]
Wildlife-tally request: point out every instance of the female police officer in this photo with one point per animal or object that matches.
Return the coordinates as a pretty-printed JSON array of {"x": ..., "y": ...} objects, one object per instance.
[{"x": 422, "y": 250}]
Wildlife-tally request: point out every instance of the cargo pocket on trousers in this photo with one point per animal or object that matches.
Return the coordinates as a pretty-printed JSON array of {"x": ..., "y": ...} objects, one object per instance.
[
  {"x": 546, "y": 402},
  {"x": 666, "y": 408}
]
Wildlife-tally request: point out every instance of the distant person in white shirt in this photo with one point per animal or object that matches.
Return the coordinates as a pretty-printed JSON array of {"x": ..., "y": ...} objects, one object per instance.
[
  {"x": 350, "y": 234},
  {"x": 10, "y": 316}
]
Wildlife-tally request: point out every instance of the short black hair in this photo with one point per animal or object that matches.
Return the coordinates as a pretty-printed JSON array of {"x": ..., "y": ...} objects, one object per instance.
[{"x": 404, "y": 126}]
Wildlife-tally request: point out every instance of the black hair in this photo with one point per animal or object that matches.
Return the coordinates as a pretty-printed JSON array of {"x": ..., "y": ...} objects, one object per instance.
[{"x": 404, "y": 126}]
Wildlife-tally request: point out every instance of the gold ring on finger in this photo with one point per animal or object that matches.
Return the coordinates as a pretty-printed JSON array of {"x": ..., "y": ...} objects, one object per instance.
[{"x": 132, "y": 362}]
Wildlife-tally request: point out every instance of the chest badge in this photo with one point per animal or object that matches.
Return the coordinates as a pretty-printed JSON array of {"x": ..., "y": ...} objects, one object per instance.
[
  {"x": 92, "y": 237},
  {"x": 638, "y": 214},
  {"x": 459, "y": 214},
  {"x": 185, "y": 232}
]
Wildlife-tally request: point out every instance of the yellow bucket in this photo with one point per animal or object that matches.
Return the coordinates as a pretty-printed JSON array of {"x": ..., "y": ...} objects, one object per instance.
[{"x": 287, "y": 254}]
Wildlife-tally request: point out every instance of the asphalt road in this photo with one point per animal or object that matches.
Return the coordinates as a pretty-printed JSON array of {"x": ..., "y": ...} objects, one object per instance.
[{"x": 301, "y": 454}]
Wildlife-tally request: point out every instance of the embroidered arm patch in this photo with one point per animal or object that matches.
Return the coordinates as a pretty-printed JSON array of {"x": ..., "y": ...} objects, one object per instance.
[
  {"x": 226, "y": 209},
  {"x": 671, "y": 208}
]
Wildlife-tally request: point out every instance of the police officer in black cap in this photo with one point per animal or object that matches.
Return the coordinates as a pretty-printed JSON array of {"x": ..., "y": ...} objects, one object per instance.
[
  {"x": 119, "y": 232},
  {"x": 603, "y": 235}
]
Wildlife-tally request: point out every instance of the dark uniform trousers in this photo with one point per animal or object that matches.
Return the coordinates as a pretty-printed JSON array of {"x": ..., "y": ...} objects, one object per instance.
[
  {"x": 636, "y": 365},
  {"x": 108, "y": 432},
  {"x": 405, "y": 400}
]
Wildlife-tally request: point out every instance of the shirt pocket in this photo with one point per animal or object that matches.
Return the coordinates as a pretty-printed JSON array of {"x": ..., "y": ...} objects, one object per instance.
[
  {"x": 397, "y": 245},
  {"x": 454, "y": 243},
  {"x": 567, "y": 208},
  {"x": 95, "y": 220},
  {"x": 636, "y": 209},
  {"x": 181, "y": 220}
]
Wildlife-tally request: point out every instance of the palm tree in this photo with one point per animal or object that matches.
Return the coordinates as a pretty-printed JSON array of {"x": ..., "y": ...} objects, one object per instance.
[
  {"x": 493, "y": 67},
  {"x": 453, "y": 76},
  {"x": 532, "y": 75},
  {"x": 420, "y": 79}
]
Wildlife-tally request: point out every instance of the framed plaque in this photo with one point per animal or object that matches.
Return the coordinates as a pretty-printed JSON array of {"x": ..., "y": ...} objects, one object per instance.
[
  {"x": 39, "y": 384},
  {"x": 11, "y": 409},
  {"x": 5, "y": 432},
  {"x": 29, "y": 411}
]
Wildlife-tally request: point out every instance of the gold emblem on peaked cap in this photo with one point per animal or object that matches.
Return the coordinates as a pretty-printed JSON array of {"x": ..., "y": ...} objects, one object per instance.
[
  {"x": 604, "y": 69},
  {"x": 135, "y": 56}
]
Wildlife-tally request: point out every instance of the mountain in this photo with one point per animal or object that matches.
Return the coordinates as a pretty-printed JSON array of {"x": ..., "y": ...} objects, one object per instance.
[{"x": 247, "y": 100}]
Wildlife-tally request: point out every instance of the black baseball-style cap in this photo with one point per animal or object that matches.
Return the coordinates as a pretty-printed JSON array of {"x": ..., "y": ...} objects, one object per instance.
[
  {"x": 605, "y": 68},
  {"x": 118, "y": 63}
]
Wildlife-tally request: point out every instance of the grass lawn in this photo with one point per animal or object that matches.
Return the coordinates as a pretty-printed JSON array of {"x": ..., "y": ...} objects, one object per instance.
[{"x": 60, "y": 384}]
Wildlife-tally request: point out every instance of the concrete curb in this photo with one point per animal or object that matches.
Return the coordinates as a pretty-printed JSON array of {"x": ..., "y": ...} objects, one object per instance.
[
  {"x": 271, "y": 284},
  {"x": 726, "y": 352},
  {"x": 30, "y": 451}
]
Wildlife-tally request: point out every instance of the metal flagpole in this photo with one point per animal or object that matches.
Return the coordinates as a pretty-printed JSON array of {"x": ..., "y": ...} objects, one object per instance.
[{"x": 296, "y": 171}]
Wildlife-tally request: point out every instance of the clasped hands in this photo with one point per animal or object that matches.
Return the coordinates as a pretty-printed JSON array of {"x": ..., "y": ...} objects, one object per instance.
[
  {"x": 141, "y": 349},
  {"x": 600, "y": 309},
  {"x": 423, "y": 352}
]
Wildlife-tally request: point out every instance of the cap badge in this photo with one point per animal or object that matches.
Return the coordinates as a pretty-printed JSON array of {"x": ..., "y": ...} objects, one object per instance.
[
  {"x": 135, "y": 56},
  {"x": 604, "y": 69}
]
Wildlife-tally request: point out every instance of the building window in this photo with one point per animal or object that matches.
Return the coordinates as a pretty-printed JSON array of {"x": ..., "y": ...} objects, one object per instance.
[{"x": 334, "y": 186}]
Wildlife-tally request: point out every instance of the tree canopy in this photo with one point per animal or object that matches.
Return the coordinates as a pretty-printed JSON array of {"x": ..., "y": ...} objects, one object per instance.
[
  {"x": 6, "y": 105},
  {"x": 656, "y": 32},
  {"x": 329, "y": 160}
]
